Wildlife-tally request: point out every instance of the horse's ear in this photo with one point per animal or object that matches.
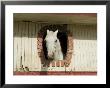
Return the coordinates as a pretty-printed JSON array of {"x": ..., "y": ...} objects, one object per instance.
[
  {"x": 56, "y": 32},
  {"x": 47, "y": 31}
]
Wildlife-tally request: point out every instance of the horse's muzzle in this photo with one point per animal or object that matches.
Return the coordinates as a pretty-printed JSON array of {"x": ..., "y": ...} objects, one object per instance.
[{"x": 50, "y": 56}]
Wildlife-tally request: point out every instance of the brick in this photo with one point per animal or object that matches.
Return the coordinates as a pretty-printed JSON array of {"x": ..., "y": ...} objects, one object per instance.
[
  {"x": 70, "y": 46},
  {"x": 70, "y": 34},
  {"x": 70, "y": 43},
  {"x": 39, "y": 50},
  {"x": 42, "y": 60},
  {"x": 40, "y": 54},
  {"x": 70, "y": 38},
  {"x": 53, "y": 64},
  {"x": 40, "y": 34},
  {"x": 62, "y": 63},
  {"x": 68, "y": 56},
  {"x": 40, "y": 44},
  {"x": 47, "y": 63},
  {"x": 39, "y": 47},
  {"x": 69, "y": 52},
  {"x": 58, "y": 63},
  {"x": 39, "y": 39},
  {"x": 67, "y": 62}
]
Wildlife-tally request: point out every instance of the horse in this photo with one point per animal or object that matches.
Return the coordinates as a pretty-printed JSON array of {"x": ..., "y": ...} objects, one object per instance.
[{"x": 53, "y": 46}]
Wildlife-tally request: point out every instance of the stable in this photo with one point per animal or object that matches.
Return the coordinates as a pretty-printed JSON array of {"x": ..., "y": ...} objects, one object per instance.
[{"x": 77, "y": 33}]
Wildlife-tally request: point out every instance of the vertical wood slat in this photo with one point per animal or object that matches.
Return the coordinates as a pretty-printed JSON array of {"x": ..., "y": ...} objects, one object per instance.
[
  {"x": 19, "y": 61},
  {"x": 23, "y": 44},
  {"x": 30, "y": 46},
  {"x": 15, "y": 46},
  {"x": 85, "y": 48},
  {"x": 34, "y": 46},
  {"x": 26, "y": 46}
]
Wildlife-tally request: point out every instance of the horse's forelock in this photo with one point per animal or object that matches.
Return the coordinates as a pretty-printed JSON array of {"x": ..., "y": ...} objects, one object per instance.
[{"x": 51, "y": 36}]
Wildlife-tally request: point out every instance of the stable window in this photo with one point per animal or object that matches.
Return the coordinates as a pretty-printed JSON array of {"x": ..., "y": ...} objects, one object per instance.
[{"x": 66, "y": 40}]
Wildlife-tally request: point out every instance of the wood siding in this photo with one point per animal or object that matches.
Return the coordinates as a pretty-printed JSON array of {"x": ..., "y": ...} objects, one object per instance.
[{"x": 84, "y": 56}]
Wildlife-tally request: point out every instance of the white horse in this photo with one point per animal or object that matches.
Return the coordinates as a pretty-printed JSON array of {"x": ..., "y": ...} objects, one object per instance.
[{"x": 53, "y": 46}]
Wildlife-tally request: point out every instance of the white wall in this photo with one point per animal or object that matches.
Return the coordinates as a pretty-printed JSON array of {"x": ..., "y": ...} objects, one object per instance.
[
  {"x": 85, "y": 47},
  {"x": 25, "y": 46}
]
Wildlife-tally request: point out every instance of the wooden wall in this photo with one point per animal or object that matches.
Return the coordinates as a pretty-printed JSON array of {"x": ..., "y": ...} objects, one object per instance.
[
  {"x": 25, "y": 46},
  {"x": 85, "y": 47},
  {"x": 84, "y": 57}
]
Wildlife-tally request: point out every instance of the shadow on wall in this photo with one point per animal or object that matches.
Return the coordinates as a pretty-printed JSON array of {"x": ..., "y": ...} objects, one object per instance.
[
  {"x": 81, "y": 32},
  {"x": 84, "y": 32},
  {"x": 25, "y": 29}
]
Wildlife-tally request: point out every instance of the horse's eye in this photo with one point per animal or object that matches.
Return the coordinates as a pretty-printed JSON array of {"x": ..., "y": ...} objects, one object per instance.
[{"x": 55, "y": 40}]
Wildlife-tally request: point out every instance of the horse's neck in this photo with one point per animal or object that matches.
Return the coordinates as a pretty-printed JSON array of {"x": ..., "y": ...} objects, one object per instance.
[{"x": 58, "y": 54}]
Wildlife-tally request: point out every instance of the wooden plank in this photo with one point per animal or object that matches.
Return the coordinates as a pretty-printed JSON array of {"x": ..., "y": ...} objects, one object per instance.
[
  {"x": 23, "y": 44},
  {"x": 34, "y": 47},
  {"x": 26, "y": 54},
  {"x": 85, "y": 49},
  {"x": 39, "y": 27},
  {"x": 15, "y": 45},
  {"x": 29, "y": 47},
  {"x": 19, "y": 57}
]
